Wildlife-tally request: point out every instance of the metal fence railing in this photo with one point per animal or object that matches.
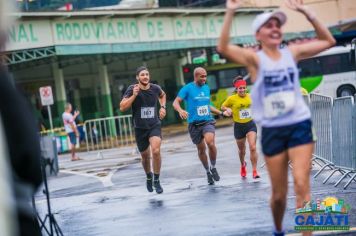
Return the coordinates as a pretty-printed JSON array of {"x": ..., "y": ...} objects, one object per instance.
[
  {"x": 109, "y": 132},
  {"x": 321, "y": 109},
  {"x": 335, "y": 123}
]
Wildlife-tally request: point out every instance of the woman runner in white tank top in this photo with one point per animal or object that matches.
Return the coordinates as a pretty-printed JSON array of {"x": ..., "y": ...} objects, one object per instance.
[{"x": 277, "y": 101}]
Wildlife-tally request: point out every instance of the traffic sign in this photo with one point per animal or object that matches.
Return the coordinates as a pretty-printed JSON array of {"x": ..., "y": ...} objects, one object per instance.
[{"x": 46, "y": 96}]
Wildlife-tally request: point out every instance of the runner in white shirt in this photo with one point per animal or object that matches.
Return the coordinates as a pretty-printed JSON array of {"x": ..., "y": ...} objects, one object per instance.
[{"x": 277, "y": 103}]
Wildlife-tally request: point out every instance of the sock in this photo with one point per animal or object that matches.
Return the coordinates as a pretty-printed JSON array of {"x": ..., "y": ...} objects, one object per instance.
[
  {"x": 156, "y": 177},
  {"x": 212, "y": 163},
  {"x": 149, "y": 175},
  {"x": 207, "y": 169}
]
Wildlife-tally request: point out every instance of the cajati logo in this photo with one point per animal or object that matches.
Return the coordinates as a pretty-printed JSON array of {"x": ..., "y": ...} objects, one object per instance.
[{"x": 328, "y": 214}]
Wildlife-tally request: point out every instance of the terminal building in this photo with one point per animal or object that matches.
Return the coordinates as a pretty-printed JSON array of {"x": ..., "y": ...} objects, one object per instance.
[{"x": 89, "y": 57}]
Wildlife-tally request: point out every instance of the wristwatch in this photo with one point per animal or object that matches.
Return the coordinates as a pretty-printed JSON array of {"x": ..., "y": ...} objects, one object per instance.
[
  {"x": 221, "y": 113},
  {"x": 163, "y": 106}
]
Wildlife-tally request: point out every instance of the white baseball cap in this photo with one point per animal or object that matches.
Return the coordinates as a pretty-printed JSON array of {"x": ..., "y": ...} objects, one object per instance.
[{"x": 261, "y": 19}]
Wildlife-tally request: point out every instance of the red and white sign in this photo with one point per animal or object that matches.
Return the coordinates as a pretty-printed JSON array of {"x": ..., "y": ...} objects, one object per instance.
[{"x": 46, "y": 96}]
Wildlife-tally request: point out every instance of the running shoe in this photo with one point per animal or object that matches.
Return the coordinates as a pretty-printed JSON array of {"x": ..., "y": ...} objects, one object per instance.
[
  {"x": 255, "y": 175},
  {"x": 158, "y": 186},
  {"x": 278, "y": 233},
  {"x": 243, "y": 170},
  {"x": 149, "y": 183},
  {"x": 215, "y": 174},
  {"x": 210, "y": 178}
]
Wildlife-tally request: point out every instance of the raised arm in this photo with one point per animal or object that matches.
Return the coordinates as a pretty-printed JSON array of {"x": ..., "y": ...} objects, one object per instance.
[
  {"x": 126, "y": 102},
  {"x": 233, "y": 52},
  {"x": 324, "y": 40}
]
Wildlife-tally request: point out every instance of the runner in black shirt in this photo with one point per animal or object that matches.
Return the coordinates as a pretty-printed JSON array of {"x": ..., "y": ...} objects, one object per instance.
[{"x": 143, "y": 98}]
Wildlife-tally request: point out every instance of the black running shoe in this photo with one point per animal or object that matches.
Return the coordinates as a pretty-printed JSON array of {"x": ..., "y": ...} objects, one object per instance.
[
  {"x": 215, "y": 174},
  {"x": 158, "y": 186},
  {"x": 149, "y": 183},
  {"x": 210, "y": 178}
]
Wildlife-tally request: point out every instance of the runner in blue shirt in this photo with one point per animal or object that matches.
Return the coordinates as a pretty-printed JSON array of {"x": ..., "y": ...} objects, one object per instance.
[{"x": 201, "y": 123}]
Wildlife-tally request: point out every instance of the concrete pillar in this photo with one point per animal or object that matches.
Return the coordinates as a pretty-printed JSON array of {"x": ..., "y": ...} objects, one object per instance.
[
  {"x": 179, "y": 71},
  {"x": 59, "y": 87},
  {"x": 105, "y": 89},
  {"x": 106, "y": 95}
]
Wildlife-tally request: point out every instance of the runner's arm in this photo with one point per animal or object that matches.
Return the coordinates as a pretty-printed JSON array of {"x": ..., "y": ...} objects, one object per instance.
[
  {"x": 324, "y": 39},
  {"x": 176, "y": 105},
  {"x": 126, "y": 102},
  {"x": 215, "y": 111},
  {"x": 233, "y": 52},
  {"x": 162, "y": 99}
]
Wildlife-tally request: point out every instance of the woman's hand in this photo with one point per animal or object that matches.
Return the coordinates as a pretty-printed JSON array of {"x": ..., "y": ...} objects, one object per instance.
[
  {"x": 298, "y": 5},
  {"x": 233, "y": 4}
]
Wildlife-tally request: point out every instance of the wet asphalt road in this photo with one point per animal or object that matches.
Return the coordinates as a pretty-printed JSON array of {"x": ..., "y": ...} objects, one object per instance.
[{"x": 83, "y": 205}]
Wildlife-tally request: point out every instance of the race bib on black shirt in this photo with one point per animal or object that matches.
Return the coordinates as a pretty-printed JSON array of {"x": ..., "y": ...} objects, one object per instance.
[{"x": 144, "y": 108}]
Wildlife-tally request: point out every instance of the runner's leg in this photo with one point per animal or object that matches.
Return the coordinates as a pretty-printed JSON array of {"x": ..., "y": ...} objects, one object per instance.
[
  {"x": 202, "y": 154},
  {"x": 301, "y": 161},
  {"x": 155, "y": 143},
  {"x": 251, "y": 139},
  {"x": 209, "y": 138},
  {"x": 242, "y": 149},
  {"x": 210, "y": 142},
  {"x": 277, "y": 167}
]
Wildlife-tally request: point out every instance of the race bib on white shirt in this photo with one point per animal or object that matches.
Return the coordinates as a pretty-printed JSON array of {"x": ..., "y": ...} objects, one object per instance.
[
  {"x": 203, "y": 110},
  {"x": 279, "y": 103},
  {"x": 245, "y": 113},
  {"x": 147, "y": 112}
]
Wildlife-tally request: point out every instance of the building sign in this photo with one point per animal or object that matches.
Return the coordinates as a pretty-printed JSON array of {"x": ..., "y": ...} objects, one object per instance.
[{"x": 41, "y": 33}]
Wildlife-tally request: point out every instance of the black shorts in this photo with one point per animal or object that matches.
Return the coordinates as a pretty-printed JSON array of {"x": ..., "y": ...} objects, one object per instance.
[
  {"x": 142, "y": 136},
  {"x": 278, "y": 139},
  {"x": 241, "y": 129},
  {"x": 198, "y": 129}
]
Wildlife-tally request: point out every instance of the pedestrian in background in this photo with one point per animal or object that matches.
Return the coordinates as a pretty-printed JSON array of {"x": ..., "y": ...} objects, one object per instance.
[
  {"x": 71, "y": 129},
  {"x": 278, "y": 104}
]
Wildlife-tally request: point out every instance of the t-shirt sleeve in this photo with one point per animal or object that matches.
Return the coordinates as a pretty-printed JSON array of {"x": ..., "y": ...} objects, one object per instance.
[
  {"x": 183, "y": 93},
  {"x": 227, "y": 103},
  {"x": 158, "y": 90},
  {"x": 129, "y": 91}
]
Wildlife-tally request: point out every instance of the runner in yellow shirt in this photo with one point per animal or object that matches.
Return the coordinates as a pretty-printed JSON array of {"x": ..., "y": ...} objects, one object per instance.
[{"x": 244, "y": 127}]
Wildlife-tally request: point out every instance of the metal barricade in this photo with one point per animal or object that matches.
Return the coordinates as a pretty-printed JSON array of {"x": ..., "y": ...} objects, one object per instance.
[
  {"x": 342, "y": 132},
  {"x": 342, "y": 137},
  {"x": 351, "y": 161},
  {"x": 109, "y": 132},
  {"x": 321, "y": 109},
  {"x": 306, "y": 99}
]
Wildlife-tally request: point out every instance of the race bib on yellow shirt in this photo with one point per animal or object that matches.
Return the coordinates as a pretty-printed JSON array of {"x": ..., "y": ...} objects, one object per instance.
[
  {"x": 203, "y": 110},
  {"x": 245, "y": 113},
  {"x": 147, "y": 112},
  {"x": 279, "y": 103}
]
